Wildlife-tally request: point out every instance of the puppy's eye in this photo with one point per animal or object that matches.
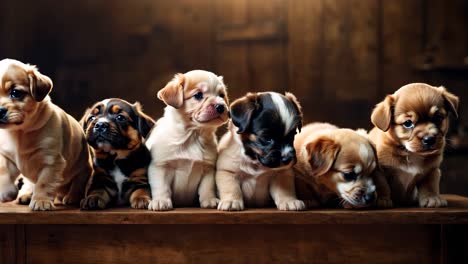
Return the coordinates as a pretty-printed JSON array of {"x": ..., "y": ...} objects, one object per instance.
[
  {"x": 120, "y": 118},
  {"x": 91, "y": 118},
  {"x": 221, "y": 95},
  {"x": 198, "y": 96},
  {"x": 349, "y": 175},
  {"x": 16, "y": 94},
  {"x": 438, "y": 119},
  {"x": 408, "y": 124}
]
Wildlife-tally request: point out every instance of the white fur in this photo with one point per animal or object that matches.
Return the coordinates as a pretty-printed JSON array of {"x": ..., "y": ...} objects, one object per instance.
[
  {"x": 119, "y": 178},
  {"x": 286, "y": 116}
]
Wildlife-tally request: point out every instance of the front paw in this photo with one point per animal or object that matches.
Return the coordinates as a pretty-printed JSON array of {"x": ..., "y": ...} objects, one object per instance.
[
  {"x": 209, "y": 203},
  {"x": 140, "y": 202},
  {"x": 41, "y": 205},
  {"x": 69, "y": 200},
  {"x": 93, "y": 202},
  {"x": 160, "y": 205},
  {"x": 432, "y": 202},
  {"x": 231, "y": 205},
  {"x": 291, "y": 205},
  {"x": 383, "y": 202},
  {"x": 8, "y": 196}
]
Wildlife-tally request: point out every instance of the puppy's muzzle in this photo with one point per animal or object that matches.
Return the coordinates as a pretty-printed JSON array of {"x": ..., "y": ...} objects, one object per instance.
[
  {"x": 428, "y": 141},
  {"x": 220, "y": 108},
  {"x": 101, "y": 127},
  {"x": 3, "y": 115}
]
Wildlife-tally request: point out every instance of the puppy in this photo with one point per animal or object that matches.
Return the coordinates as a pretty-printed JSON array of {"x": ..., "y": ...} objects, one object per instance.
[
  {"x": 334, "y": 164},
  {"x": 183, "y": 144},
  {"x": 409, "y": 133},
  {"x": 116, "y": 130},
  {"x": 256, "y": 154},
  {"x": 39, "y": 140}
]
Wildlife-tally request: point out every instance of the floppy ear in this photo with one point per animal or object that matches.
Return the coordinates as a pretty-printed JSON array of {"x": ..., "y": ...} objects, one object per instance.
[
  {"x": 293, "y": 99},
  {"x": 322, "y": 154},
  {"x": 451, "y": 101},
  {"x": 382, "y": 115},
  {"x": 84, "y": 119},
  {"x": 242, "y": 111},
  {"x": 145, "y": 122},
  {"x": 39, "y": 84},
  {"x": 173, "y": 93}
]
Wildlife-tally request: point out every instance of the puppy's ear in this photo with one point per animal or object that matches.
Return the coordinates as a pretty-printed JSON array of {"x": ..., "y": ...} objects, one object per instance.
[
  {"x": 145, "y": 122},
  {"x": 451, "y": 101},
  {"x": 173, "y": 93},
  {"x": 39, "y": 84},
  {"x": 382, "y": 115},
  {"x": 242, "y": 111},
  {"x": 322, "y": 154},
  {"x": 84, "y": 119},
  {"x": 293, "y": 99}
]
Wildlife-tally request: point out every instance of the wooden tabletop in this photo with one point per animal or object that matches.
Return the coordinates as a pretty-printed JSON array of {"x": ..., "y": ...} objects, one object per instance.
[{"x": 455, "y": 213}]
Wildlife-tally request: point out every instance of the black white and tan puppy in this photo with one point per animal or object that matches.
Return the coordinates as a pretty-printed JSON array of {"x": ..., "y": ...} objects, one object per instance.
[
  {"x": 39, "y": 140},
  {"x": 183, "y": 144},
  {"x": 409, "y": 133},
  {"x": 116, "y": 130},
  {"x": 335, "y": 164},
  {"x": 256, "y": 155}
]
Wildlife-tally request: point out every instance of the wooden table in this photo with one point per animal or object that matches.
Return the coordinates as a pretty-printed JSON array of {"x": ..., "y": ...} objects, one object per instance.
[{"x": 68, "y": 235}]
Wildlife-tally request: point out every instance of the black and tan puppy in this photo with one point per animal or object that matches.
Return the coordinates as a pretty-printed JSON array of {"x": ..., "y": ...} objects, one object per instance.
[{"x": 116, "y": 130}]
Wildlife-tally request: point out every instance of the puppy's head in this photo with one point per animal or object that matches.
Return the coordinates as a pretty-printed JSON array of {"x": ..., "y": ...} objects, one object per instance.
[
  {"x": 344, "y": 162},
  {"x": 22, "y": 88},
  {"x": 267, "y": 123},
  {"x": 114, "y": 124},
  {"x": 201, "y": 96},
  {"x": 416, "y": 117}
]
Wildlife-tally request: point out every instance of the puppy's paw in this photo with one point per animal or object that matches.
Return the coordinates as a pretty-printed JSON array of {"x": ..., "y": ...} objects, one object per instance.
[
  {"x": 311, "y": 203},
  {"x": 25, "y": 199},
  {"x": 291, "y": 205},
  {"x": 160, "y": 205},
  {"x": 41, "y": 205},
  {"x": 93, "y": 202},
  {"x": 231, "y": 205},
  {"x": 8, "y": 193},
  {"x": 140, "y": 202},
  {"x": 69, "y": 200},
  {"x": 209, "y": 203},
  {"x": 432, "y": 202},
  {"x": 383, "y": 202}
]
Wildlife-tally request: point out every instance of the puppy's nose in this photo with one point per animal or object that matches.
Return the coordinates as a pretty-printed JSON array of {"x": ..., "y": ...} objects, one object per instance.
[
  {"x": 370, "y": 197},
  {"x": 101, "y": 127},
  {"x": 219, "y": 108},
  {"x": 3, "y": 113},
  {"x": 286, "y": 159},
  {"x": 428, "y": 141}
]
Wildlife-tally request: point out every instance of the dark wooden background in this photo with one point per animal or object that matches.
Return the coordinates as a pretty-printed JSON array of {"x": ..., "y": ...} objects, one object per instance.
[{"x": 339, "y": 57}]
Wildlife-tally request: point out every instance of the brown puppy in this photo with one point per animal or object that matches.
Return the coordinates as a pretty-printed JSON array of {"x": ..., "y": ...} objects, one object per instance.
[
  {"x": 334, "y": 164},
  {"x": 410, "y": 138},
  {"x": 39, "y": 140}
]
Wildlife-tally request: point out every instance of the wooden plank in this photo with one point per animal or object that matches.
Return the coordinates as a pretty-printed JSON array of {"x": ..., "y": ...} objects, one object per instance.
[
  {"x": 233, "y": 244},
  {"x": 7, "y": 240},
  {"x": 305, "y": 33},
  {"x": 456, "y": 213}
]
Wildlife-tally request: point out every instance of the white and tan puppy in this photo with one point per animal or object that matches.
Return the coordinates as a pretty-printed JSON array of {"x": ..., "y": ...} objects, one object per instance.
[
  {"x": 335, "y": 164},
  {"x": 39, "y": 140},
  {"x": 256, "y": 154},
  {"x": 183, "y": 142}
]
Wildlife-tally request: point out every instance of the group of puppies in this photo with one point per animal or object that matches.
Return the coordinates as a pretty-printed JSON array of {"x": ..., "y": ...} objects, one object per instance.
[{"x": 118, "y": 155}]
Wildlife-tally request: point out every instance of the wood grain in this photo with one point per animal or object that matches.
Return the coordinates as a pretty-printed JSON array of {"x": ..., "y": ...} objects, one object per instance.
[
  {"x": 232, "y": 244},
  {"x": 456, "y": 213}
]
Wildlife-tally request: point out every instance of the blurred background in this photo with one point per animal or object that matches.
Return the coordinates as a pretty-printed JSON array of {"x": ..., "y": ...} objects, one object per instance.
[{"x": 339, "y": 57}]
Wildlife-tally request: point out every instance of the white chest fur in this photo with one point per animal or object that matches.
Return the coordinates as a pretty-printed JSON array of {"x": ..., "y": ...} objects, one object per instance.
[{"x": 119, "y": 178}]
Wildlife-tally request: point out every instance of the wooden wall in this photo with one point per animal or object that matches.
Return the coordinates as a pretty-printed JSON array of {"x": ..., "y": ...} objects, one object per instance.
[{"x": 339, "y": 57}]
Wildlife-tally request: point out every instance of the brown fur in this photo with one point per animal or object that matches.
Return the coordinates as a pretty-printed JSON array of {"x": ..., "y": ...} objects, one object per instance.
[{"x": 410, "y": 168}]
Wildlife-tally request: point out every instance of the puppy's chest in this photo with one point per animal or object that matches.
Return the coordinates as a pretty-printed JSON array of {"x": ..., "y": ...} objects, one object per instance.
[{"x": 255, "y": 189}]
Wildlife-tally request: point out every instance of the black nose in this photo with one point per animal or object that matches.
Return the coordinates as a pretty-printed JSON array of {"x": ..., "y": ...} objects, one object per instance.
[
  {"x": 286, "y": 159},
  {"x": 219, "y": 108},
  {"x": 3, "y": 113},
  {"x": 428, "y": 140},
  {"x": 370, "y": 197},
  {"x": 101, "y": 127}
]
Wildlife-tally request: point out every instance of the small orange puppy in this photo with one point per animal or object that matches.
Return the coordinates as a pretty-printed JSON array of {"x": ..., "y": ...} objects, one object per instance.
[
  {"x": 409, "y": 133},
  {"x": 334, "y": 164}
]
